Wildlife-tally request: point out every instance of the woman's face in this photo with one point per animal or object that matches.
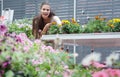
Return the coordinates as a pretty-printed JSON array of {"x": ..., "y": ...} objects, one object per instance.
[{"x": 45, "y": 11}]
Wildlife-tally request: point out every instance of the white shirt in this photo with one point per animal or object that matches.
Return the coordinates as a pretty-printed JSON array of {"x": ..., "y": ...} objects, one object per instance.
[{"x": 57, "y": 20}]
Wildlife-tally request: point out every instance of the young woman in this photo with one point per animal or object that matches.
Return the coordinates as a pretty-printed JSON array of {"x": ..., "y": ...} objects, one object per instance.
[{"x": 43, "y": 21}]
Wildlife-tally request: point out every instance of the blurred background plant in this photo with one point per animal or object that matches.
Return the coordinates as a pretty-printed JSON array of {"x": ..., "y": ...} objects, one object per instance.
[
  {"x": 21, "y": 26},
  {"x": 54, "y": 29},
  {"x": 114, "y": 24},
  {"x": 67, "y": 27},
  {"x": 96, "y": 25},
  {"x": 70, "y": 27}
]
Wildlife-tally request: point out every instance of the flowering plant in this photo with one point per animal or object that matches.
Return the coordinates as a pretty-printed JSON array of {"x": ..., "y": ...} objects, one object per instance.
[
  {"x": 38, "y": 60},
  {"x": 67, "y": 27},
  {"x": 91, "y": 67},
  {"x": 114, "y": 24},
  {"x": 70, "y": 26},
  {"x": 35, "y": 59},
  {"x": 21, "y": 26},
  {"x": 54, "y": 29},
  {"x": 98, "y": 24}
]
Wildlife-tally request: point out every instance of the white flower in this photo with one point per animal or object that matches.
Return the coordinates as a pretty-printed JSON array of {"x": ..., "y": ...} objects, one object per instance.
[
  {"x": 90, "y": 58},
  {"x": 111, "y": 59},
  {"x": 75, "y": 54}
]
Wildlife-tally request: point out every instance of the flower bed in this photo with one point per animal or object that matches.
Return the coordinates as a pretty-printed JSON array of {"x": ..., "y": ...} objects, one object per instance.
[
  {"x": 20, "y": 56},
  {"x": 97, "y": 25}
]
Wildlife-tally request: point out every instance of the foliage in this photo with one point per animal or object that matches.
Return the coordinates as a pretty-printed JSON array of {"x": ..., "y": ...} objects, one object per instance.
[
  {"x": 21, "y": 26},
  {"x": 54, "y": 29},
  {"x": 67, "y": 27},
  {"x": 21, "y": 57},
  {"x": 98, "y": 24},
  {"x": 81, "y": 71},
  {"x": 71, "y": 28},
  {"x": 35, "y": 59}
]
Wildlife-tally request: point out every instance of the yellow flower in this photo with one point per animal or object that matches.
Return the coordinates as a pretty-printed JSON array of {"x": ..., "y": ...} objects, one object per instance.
[
  {"x": 65, "y": 22},
  {"x": 112, "y": 25},
  {"x": 110, "y": 21},
  {"x": 54, "y": 23},
  {"x": 97, "y": 17},
  {"x": 114, "y": 20},
  {"x": 73, "y": 20},
  {"x": 60, "y": 25}
]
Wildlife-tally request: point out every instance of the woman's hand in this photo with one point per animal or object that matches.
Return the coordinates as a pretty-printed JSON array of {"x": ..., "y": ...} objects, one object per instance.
[
  {"x": 48, "y": 25},
  {"x": 46, "y": 28}
]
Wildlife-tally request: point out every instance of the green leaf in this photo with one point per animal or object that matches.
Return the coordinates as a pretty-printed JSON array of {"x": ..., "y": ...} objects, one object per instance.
[
  {"x": 42, "y": 74},
  {"x": 9, "y": 74}
]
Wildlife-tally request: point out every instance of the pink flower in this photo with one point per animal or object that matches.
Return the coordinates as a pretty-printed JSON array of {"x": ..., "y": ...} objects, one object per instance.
[
  {"x": 26, "y": 48},
  {"x": 67, "y": 73},
  {"x": 5, "y": 64},
  {"x": 35, "y": 62},
  {"x": 3, "y": 29},
  {"x": 37, "y": 41},
  {"x": 1, "y": 72},
  {"x": 100, "y": 74},
  {"x": 114, "y": 72},
  {"x": 37, "y": 69},
  {"x": 2, "y": 18},
  {"x": 8, "y": 58},
  {"x": 13, "y": 34},
  {"x": 23, "y": 35},
  {"x": 50, "y": 48},
  {"x": 18, "y": 38},
  {"x": 98, "y": 65},
  {"x": 48, "y": 75}
]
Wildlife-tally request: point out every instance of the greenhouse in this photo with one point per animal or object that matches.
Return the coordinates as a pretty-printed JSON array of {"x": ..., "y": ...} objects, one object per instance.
[{"x": 59, "y": 38}]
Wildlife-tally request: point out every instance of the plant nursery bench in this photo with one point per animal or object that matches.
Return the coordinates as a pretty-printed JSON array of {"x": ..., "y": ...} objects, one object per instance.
[{"x": 85, "y": 42}]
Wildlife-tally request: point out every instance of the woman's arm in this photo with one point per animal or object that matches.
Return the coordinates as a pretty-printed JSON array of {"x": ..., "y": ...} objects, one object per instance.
[
  {"x": 45, "y": 29},
  {"x": 56, "y": 19}
]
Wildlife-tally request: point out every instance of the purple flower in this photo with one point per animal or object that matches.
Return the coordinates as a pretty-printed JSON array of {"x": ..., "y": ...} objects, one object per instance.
[
  {"x": 8, "y": 58},
  {"x": 5, "y": 64},
  {"x": 3, "y": 29},
  {"x": 6, "y": 34},
  {"x": 1, "y": 72},
  {"x": 18, "y": 39}
]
